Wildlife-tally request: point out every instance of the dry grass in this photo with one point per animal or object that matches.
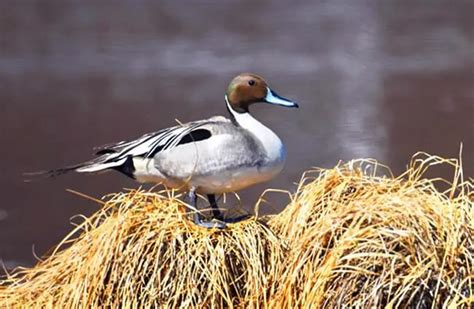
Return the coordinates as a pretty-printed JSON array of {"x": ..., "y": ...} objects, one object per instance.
[
  {"x": 139, "y": 250},
  {"x": 359, "y": 239},
  {"x": 348, "y": 237}
]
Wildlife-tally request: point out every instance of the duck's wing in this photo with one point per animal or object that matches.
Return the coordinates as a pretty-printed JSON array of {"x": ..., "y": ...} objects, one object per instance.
[
  {"x": 118, "y": 155},
  {"x": 150, "y": 144},
  {"x": 119, "y": 146}
]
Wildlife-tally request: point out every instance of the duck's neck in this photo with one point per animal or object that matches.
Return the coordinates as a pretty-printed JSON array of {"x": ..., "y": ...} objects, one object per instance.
[{"x": 269, "y": 140}]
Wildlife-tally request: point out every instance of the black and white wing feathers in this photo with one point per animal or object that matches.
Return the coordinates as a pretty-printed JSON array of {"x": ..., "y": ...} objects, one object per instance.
[
  {"x": 119, "y": 155},
  {"x": 150, "y": 144}
]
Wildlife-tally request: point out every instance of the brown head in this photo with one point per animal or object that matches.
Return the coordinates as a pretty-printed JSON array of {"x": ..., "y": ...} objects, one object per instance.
[{"x": 247, "y": 88}]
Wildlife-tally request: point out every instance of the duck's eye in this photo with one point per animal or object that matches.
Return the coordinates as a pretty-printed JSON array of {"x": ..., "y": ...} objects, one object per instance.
[{"x": 251, "y": 82}]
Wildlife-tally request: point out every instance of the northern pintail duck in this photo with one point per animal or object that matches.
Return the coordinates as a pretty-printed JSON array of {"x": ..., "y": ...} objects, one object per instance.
[{"x": 209, "y": 156}]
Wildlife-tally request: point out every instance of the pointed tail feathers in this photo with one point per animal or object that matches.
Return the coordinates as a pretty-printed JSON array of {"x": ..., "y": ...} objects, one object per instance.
[{"x": 93, "y": 166}]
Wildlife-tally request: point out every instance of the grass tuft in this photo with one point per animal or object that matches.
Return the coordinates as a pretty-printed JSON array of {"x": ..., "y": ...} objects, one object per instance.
[
  {"x": 351, "y": 235},
  {"x": 367, "y": 240}
]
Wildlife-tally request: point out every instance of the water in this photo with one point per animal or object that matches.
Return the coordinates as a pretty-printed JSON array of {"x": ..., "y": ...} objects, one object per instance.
[{"x": 380, "y": 80}]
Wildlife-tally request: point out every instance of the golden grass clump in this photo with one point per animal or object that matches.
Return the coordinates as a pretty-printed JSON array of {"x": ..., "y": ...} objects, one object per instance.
[
  {"x": 350, "y": 236},
  {"x": 139, "y": 251},
  {"x": 359, "y": 239}
]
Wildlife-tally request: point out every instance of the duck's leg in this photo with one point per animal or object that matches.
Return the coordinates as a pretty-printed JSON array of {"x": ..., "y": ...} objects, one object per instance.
[
  {"x": 215, "y": 209},
  {"x": 197, "y": 215},
  {"x": 218, "y": 215},
  {"x": 192, "y": 199}
]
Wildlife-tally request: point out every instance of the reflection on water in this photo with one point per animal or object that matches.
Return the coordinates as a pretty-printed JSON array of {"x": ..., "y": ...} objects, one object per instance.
[{"x": 382, "y": 81}]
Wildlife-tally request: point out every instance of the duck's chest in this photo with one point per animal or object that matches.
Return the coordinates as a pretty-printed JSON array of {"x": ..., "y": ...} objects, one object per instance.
[{"x": 273, "y": 151}]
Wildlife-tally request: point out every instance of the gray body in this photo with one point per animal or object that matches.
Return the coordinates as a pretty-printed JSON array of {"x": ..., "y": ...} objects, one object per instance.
[
  {"x": 230, "y": 160},
  {"x": 238, "y": 154}
]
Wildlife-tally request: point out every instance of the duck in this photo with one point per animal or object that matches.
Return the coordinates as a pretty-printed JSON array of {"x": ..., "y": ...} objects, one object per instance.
[{"x": 208, "y": 157}]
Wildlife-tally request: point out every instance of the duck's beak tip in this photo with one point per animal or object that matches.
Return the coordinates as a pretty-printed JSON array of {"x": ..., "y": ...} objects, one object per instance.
[{"x": 275, "y": 99}]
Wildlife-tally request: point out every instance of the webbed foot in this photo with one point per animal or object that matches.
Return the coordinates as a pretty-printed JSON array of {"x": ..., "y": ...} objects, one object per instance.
[{"x": 211, "y": 224}]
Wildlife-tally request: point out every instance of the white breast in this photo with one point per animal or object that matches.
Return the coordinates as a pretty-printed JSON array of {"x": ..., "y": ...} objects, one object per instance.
[
  {"x": 271, "y": 142},
  {"x": 274, "y": 148}
]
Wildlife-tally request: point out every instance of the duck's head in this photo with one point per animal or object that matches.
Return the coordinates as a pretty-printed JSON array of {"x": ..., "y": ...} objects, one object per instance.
[{"x": 246, "y": 89}]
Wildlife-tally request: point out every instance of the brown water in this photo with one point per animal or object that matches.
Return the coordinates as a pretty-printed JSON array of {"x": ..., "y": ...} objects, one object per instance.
[{"x": 373, "y": 80}]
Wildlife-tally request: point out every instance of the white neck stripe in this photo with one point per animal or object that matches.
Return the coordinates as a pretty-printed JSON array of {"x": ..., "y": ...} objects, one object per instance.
[
  {"x": 231, "y": 110},
  {"x": 234, "y": 113}
]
